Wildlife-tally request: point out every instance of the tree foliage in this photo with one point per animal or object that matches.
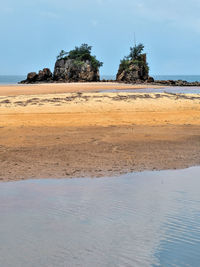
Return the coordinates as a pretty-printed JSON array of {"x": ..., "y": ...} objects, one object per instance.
[
  {"x": 135, "y": 57},
  {"x": 136, "y": 52},
  {"x": 62, "y": 54},
  {"x": 80, "y": 55}
]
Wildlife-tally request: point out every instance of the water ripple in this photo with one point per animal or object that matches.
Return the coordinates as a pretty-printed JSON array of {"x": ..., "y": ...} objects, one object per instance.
[{"x": 139, "y": 219}]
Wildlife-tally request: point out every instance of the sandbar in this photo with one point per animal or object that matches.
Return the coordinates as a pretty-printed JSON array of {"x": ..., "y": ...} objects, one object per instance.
[{"x": 80, "y": 131}]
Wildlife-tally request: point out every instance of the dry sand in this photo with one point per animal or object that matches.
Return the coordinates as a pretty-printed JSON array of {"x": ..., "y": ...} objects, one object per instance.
[{"x": 72, "y": 131}]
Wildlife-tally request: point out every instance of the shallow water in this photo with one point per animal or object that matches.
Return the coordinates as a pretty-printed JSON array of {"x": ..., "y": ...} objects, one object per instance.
[
  {"x": 139, "y": 219},
  {"x": 174, "y": 90}
]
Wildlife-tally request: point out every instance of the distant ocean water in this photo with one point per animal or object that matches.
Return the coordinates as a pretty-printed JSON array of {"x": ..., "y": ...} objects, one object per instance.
[
  {"x": 14, "y": 79},
  {"x": 11, "y": 79},
  {"x": 188, "y": 78}
]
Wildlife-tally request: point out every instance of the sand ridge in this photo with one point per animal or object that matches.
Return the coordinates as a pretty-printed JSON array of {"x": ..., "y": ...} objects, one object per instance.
[{"x": 100, "y": 109}]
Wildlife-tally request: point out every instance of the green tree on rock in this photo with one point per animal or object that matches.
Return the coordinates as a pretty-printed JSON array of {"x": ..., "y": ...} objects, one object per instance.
[
  {"x": 134, "y": 67},
  {"x": 62, "y": 54},
  {"x": 137, "y": 57},
  {"x": 80, "y": 55},
  {"x": 136, "y": 52}
]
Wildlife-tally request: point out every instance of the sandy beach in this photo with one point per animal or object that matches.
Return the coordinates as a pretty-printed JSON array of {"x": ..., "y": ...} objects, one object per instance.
[
  {"x": 75, "y": 130},
  {"x": 53, "y": 88}
]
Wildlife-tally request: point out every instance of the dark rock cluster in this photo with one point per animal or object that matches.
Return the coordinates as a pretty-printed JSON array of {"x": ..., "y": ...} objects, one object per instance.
[
  {"x": 175, "y": 83},
  {"x": 44, "y": 75},
  {"x": 66, "y": 70}
]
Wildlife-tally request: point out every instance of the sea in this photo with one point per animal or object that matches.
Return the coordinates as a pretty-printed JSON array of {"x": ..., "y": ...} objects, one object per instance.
[
  {"x": 11, "y": 79},
  {"x": 14, "y": 79}
]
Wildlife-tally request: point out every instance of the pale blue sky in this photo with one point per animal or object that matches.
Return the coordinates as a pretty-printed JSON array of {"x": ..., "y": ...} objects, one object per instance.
[{"x": 33, "y": 33}]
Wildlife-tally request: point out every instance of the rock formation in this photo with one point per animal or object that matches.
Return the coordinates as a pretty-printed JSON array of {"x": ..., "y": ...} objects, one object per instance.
[
  {"x": 175, "y": 83},
  {"x": 133, "y": 71},
  {"x": 133, "y": 74},
  {"x": 134, "y": 68},
  {"x": 44, "y": 75},
  {"x": 69, "y": 70},
  {"x": 77, "y": 65}
]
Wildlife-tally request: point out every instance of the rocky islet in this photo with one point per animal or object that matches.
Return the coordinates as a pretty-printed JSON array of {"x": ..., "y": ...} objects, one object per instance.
[{"x": 133, "y": 69}]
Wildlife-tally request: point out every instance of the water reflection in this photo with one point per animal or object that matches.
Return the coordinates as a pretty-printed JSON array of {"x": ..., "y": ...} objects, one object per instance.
[
  {"x": 173, "y": 90},
  {"x": 139, "y": 219}
]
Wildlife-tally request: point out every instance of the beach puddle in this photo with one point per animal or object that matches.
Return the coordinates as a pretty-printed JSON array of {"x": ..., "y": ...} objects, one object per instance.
[
  {"x": 171, "y": 90},
  {"x": 138, "y": 219}
]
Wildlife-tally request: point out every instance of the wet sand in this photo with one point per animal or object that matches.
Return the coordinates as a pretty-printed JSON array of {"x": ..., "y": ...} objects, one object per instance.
[
  {"x": 90, "y": 134},
  {"x": 56, "y": 88}
]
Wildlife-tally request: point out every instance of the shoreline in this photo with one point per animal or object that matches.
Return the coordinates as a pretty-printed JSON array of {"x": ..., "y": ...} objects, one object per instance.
[
  {"x": 91, "y": 134},
  {"x": 104, "y": 176},
  {"x": 59, "y": 88}
]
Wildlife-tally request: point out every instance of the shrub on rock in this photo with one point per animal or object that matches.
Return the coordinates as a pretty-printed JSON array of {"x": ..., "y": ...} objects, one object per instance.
[
  {"x": 77, "y": 65},
  {"x": 133, "y": 68}
]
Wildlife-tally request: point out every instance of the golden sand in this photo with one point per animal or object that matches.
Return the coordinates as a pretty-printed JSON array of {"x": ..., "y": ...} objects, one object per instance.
[{"x": 78, "y": 132}]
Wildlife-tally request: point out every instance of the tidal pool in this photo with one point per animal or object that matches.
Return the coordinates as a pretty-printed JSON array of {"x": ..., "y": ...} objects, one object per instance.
[
  {"x": 138, "y": 219},
  {"x": 169, "y": 89}
]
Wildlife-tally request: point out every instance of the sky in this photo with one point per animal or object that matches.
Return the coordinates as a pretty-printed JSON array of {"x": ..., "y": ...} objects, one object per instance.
[{"x": 33, "y": 33}]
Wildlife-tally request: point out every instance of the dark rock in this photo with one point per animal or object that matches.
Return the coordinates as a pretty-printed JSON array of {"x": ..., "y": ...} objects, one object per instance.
[
  {"x": 44, "y": 75},
  {"x": 133, "y": 73},
  {"x": 175, "y": 83},
  {"x": 31, "y": 77},
  {"x": 69, "y": 70},
  {"x": 150, "y": 79}
]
